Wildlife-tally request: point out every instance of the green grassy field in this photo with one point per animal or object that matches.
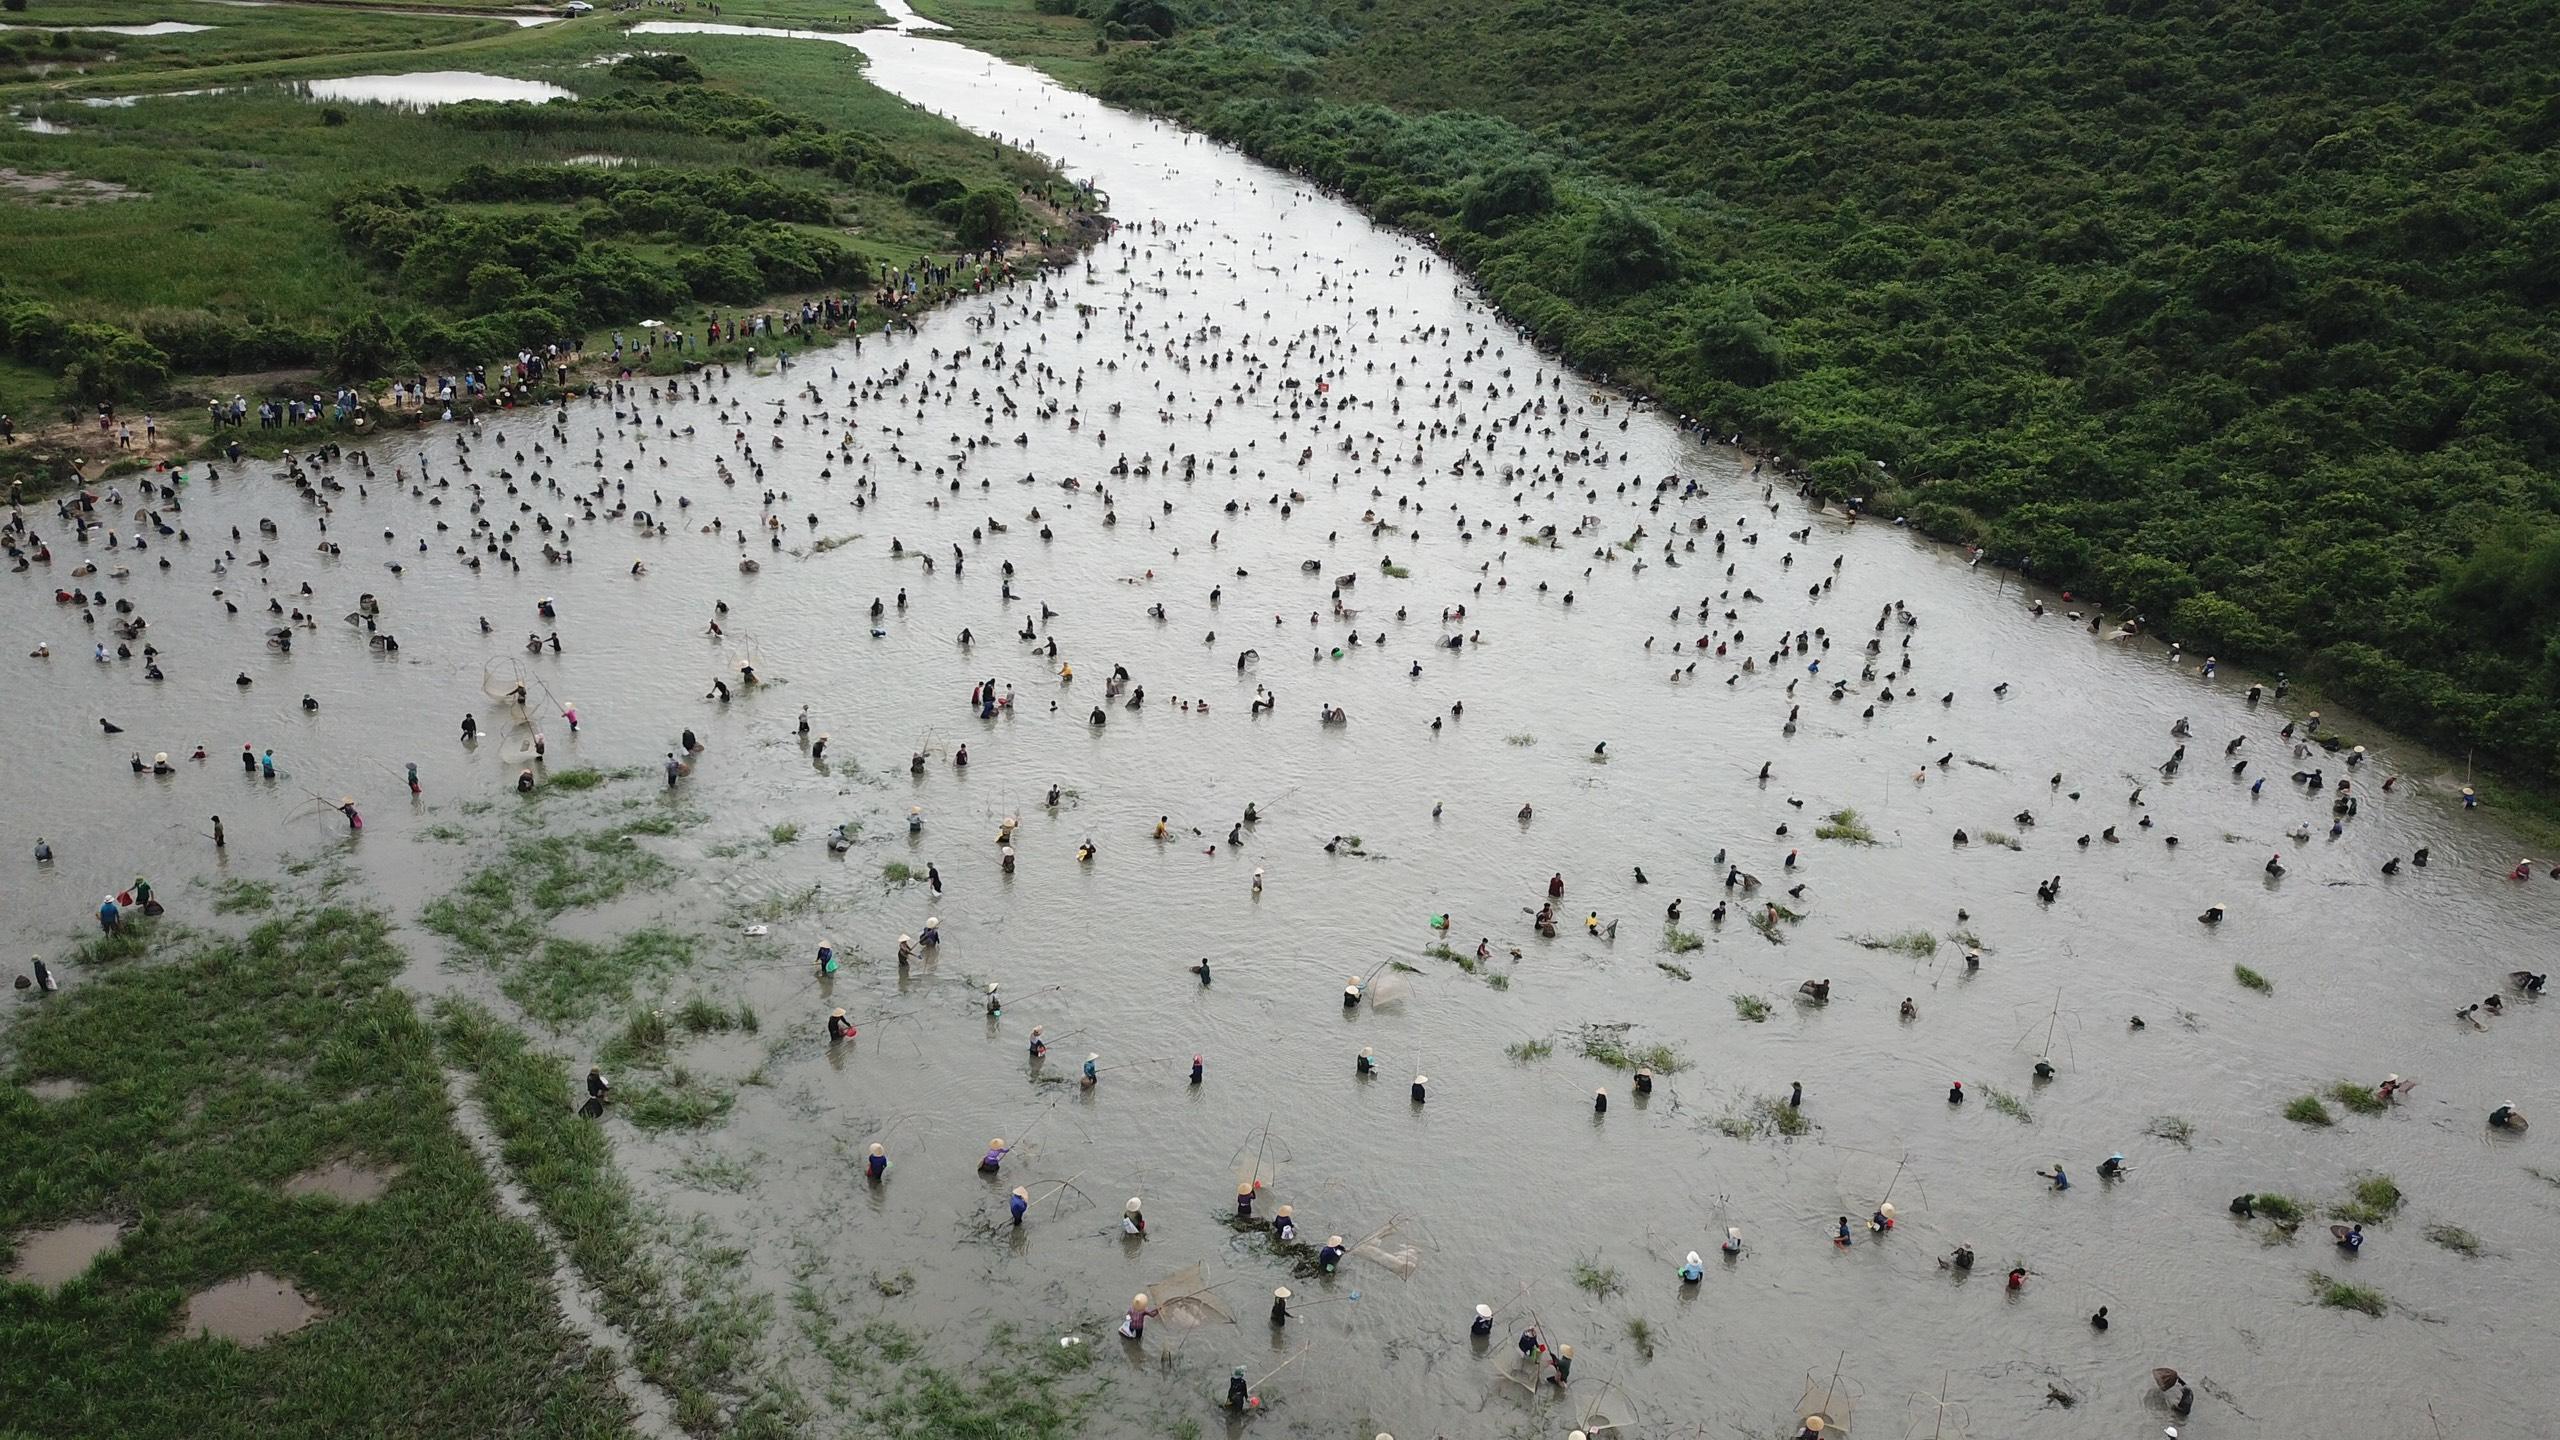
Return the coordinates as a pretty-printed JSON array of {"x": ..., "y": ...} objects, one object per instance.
[
  {"x": 243, "y": 267},
  {"x": 217, "y": 1070}
]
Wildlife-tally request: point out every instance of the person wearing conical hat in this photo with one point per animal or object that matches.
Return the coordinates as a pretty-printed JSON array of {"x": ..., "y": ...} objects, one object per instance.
[
  {"x": 1644, "y": 1080},
  {"x": 1280, "y": 1306},
  {"x": 1133, "y": 1219},
  {"x": 1482, "y": 1324},
  {"x": 1039, "y": 1046},
  {"x": 839, "y": 1029},
  {"x": 995, "y": 1006},
  {"x": 1692, "y": 1270},
  {"x": 1135, "y": 1327},
  {"x": 1882, "y": 1220},
  {"x": 1351, "y": 993},
  {"x": 878, "y": 1165},
  {"x": 1244, "y": 1199},
  {"x": 1600, "y": 1101},
  {"x": 1019, "y": 1202},
  {"x": 932, "y": 931},
  {"x": 1562, "y": 1361},
  {"x": 347, "y": 807},
  {"x": 906, "y": 950},
  {"x": 1732, "y": 1240},
  {"x": 1330, "y": 1256},
  {"x": 1812, "y": 1428},
  {"x": 1420, "y": 1088},
  {"x": 1367, "y": 1063},
  {"x": 996, "y": 1151},
  {"x": 1284, "y": 1225}
]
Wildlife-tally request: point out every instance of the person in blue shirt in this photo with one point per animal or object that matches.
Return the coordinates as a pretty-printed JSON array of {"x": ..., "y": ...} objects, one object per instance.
[
  {"x": 1283, "y": 1227},
  {"x": 1691, "y": 1271},
  {"x": 879, "y": 1164},
  {"x": 1018, "y": 1202},
  {"x": 1331, "y": 1255},
  {"x": 996, "y": 1151},
  {"x": 1843, "y": 1239},
  {"x": 109, "y": 914},
  {"x": 2350, "y": 1239},
  {"x": 2060, "y": 1180}
]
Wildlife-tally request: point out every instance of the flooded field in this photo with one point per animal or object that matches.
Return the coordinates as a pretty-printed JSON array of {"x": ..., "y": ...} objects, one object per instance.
[{"x": 1301, "y": 440}]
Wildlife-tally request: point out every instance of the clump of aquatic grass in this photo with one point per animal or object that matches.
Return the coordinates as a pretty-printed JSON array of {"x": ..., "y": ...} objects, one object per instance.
[
  {"x": 1398, "y": 572},
  {"x": 1525, "y": 1051},
  {"x": 1676, "y": 972},
  {"x": 2001, "y": 837},
  {"x": 683, "y": 1101},
  {"x": 1845, "y": 826},
  {"x": 785, "y": 833},
  {"x": 2171, "y": 1127},
  {"x": 2455, "y": 1239},
  {"x": 1498, "y": 982},
  {"x": 1608, "y": 1045},
  {"x": 1766, "y": 922},
  {"x": 1601, "y": 1281},
  {"x": 700, "y": 1016},
  {"x": 2283, "y": 1209},
  {"x": 2007, "y": 1104},
  {"x": 2307, "y": 1110},
  {"x": 1918, "y": 944},
  {"x": 897, "y": 872},
  {"x": 642, "y": 1040},
  {"x": 1765, "y": 1115},
  {"x": 2251, "y": 979},
  {"x": 2375, "y": 1200},
  {"x": 1464, "y": 960},
  {"x": 893, "y": 1286},
  {"x": 583, "y": 777},
  {"x": 1523, "y": 738},
  {"x": 238, "y": 897},
  {"x": 711, "y": 1172},
  {"x": 2344, "y": 1295},
  {"x": 1640, "y": 1335},
  {"x": 2359, "y": 1098},
  {"x": 1681, "y": 942},
  {"x": 1751, "y": 1008}
]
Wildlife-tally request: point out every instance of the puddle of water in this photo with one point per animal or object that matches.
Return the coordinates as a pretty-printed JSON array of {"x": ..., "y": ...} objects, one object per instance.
[
  {"x": 430, "y": 88},
  {"x": 350, "y": 1181},
  {"x": 157, "y": 27},
  {"x": 126, "y": 102},
  {"x": 38, "y": 126},
  {"x": 59, "y": 1254},
  {"x": 610, "y": 162},
  {"x": 249, "y": 1311},
  {"x": 58, "y": 1089}
]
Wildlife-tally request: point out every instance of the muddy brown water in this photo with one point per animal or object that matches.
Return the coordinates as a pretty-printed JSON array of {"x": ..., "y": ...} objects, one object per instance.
[
  {"x": 249, "y": 1310},
  {"x": 1505, "y": 1177},
  {"x": 349, "y": 1182},
  {"x": 56, "y": 1255}
]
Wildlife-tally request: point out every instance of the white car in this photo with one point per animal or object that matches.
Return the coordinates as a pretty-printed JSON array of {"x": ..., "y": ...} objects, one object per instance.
[{"x": 577, "y": 7}]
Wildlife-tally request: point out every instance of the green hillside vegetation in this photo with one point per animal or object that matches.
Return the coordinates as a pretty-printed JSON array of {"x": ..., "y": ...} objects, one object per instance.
[{"x": 2238, "y": 315}]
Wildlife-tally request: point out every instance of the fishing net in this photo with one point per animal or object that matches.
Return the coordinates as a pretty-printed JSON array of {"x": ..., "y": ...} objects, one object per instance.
[
  {"x": 1387, "y": 1248},
  {"x": 1830, "y": 1397},
  {"x": 1389, "y": 987},
  {"x": 1871, "y": 1180},
  {"x": 1183, "y": 1300}
]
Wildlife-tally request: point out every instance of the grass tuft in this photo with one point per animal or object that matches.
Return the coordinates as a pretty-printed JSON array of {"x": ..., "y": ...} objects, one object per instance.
[
  {"x": 1681, "y": 942},
  {"x": 2251, "y": 979},
  {"x": 1640, "y": 1335},
  {"x": 2344, "y": 1295},
  {"x": 1676, "y": 972},
  {"x": 1525, "y": 1051},
  {"x": 1601, "y": 1281},
  {"x": 583, "y": 777},
  {"x": 1845, "y": 826},
  {"x": 2283, "y": 1209},
  {"x": 2375, "y": 1200},
  {"x": 785, "y": 833},
  {"x": 1918, "y": 944},
  {"x": 1608, "y": 1045},
  {"x": 2007, "y": 1104},
  {"x": 2456, "y": 1239},
  {"x": 2307, "y": 1110},
  {"x": 1751, "y": 1008},
  {"x": 2172, "y": 1127},
  {"x": 2359, "y": 1098}
]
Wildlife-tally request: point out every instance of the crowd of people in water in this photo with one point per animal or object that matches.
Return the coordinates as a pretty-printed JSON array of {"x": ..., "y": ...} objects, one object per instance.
[{"x": 1531, "y": 458}]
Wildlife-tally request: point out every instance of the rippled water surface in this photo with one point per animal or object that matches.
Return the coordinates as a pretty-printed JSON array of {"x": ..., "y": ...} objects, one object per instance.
[{"x": 1239, "y": 321}]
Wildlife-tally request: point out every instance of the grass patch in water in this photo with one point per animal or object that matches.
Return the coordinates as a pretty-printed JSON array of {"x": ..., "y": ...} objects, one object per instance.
[
  {"x": 2307, "y": 1110},
  {"x": 296, "y": 1048},
  {"x": 784, "y": 833},
  {"x": 1608, "y": 1045},
  {"x": 2283, "y": 1209},
  {"x": 2252, "y": 980},
  {"x": 1845, "y": 826},
  {"x": 1602, "y": 1281},
  {"x": 1681, "y": 942},
  {"x": 2456, "y": 1239},
  {"x": 1525, "y": 1051},
  {"x": 1765, "y": 1115},
  {"x": 1918, "y": 944},
  {"x": 1766, "y": 922},
  {"x": 2359, "y": 1098},
  {"x": 2002, "y": 838},
  {"x": 2007, "y": 1104},
  {"x": 2172, "y": 1127},
  {"x": 1751, "y": 1008},
  {"x": 1524, "y": 738},
  {"x": 2375, "y": 1200},
  {"x": 1442, "y": 950},
  {"x": 1676, "y": 972},
  {"x": 2344, "y": 1295},
  {"x": 566, "y": 981},
  {"x": 1498, "y": 982},
  {"x": 243, "y": 897},
  {"x": 701, "y": 1347},
  {"x": 1396, "y": 571},
  {"x": 715, "y": 1172},
  {"x": 897, "y": 872},
  {"x": 583, "y": 777},
  {"x": 1640, "y": 1335}
]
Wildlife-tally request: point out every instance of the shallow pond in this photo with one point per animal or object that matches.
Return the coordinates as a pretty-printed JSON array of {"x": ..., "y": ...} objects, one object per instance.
[
  {"x": 1238, "y": 321},
  {"x": 426, "y": 89}
]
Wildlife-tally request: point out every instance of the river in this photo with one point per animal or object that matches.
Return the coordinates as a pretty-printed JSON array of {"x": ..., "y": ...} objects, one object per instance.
[{"x": 1506, "y": 1180}]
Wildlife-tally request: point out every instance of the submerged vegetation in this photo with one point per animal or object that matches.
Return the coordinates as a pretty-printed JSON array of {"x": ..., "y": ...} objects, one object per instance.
[
  {"x": 2307, "y": 1110},
  {"x": 1844, "y": 825},
  {"x": 1918, "y": 944},
  {"x": 1608, "y": 1045},
  {"x": 2343, "y": 1295},
  {"x": 2251, "y": 980}
]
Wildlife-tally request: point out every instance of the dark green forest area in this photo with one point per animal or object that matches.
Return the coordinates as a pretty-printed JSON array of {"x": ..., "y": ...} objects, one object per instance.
[{"x": 2238, "y": 314}]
